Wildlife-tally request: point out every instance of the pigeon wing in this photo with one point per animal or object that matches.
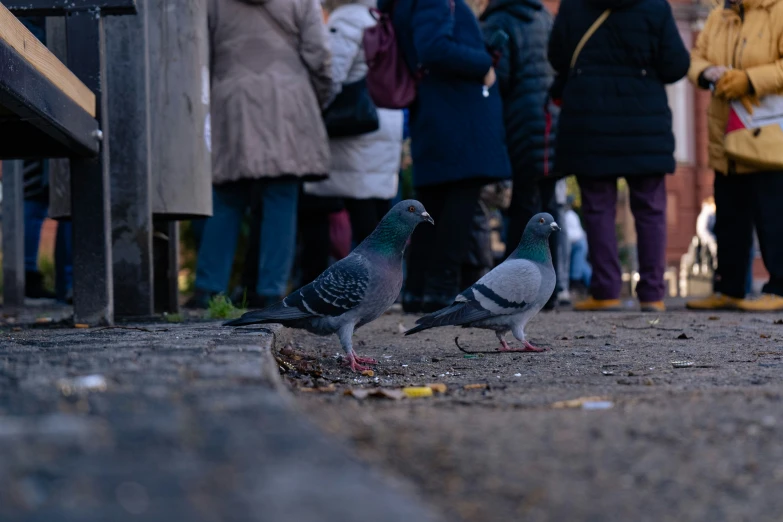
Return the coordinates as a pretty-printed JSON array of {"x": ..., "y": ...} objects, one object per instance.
[
  {"x": 339, "y": 289},
  {"x": 508, "y": 289}
]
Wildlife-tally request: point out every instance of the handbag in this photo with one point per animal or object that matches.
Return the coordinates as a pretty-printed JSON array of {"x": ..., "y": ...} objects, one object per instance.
[
  {"x": 352, "y": 112},
  {"x": 756, "y": 140}
]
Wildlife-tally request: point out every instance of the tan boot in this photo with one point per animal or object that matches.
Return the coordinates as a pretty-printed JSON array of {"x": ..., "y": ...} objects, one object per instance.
[
  {"x": 763, "y": 303},
  {"x": 598, "y": 305},
  {"x": 716, "y": 301},
  {"x": 653, "y": 306}
]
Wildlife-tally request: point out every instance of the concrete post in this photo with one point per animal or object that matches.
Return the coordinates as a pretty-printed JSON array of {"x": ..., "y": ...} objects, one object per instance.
[
  {"x": 131, "y": 175},
  {"x": 179, "y": 103}
]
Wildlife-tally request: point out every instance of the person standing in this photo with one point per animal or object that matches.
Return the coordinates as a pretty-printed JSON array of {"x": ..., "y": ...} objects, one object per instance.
[
  {"x": 457, "y": 138},
  {"x": 524, "y": 78},
  {"x": 615, "y": 122},
  {"x": 271, "y": 75},
  {"x": 365, "y": 168},
  {"x": 738, "y": 56}
]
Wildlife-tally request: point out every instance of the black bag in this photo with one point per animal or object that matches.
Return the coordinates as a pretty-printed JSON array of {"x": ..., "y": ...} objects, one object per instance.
[{"x": 352, "y": 112}]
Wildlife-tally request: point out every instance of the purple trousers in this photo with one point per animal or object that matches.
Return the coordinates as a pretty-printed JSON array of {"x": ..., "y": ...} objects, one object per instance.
[{"x": 648, "y": 205}]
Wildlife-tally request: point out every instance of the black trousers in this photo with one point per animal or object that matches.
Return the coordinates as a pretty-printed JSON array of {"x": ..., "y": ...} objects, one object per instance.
[
  {"x": 365, "y": 214},
  {"x": 528, "y": 198},
  {"x": 437, "y": 253},
  {"x": 743, "y": 201},
  {"x": 315, "y": 247}
]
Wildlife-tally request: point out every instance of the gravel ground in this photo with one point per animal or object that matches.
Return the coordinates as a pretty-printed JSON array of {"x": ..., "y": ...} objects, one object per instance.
[{"x": 700, "y": 443}]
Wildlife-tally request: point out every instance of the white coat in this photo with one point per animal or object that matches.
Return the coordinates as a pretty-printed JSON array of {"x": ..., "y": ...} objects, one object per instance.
[{"x": 365, "y": 166}]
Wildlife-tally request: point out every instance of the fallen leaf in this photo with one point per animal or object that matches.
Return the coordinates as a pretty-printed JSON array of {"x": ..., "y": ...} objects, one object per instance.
[
  {"x": 764, "y": 336},
  {"x": 438, "y": 387},
  {"x": 577, "y": 403},
  {"x": 368, "y": 373},
  {"x": 683, "y": 336},
  {"x": 381, "y": 393},
  {"x": 81, "y": 325},
  {"x": 713, "y": 318},
  {"x": 43, "y": 320},
  {"x": 474, "y": 386},
  {"x": 16, "y": 329},
  {"x": 654, "y": 322}
]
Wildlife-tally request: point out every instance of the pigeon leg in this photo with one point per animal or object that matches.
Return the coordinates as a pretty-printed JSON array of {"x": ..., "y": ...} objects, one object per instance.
[
  {"x": 504, "y": 347},
  {"x": 346, "y": 339}
]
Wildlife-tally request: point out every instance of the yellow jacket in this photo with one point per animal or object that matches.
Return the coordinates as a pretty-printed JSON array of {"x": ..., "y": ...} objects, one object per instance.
[{"x": 754, "y": 45}]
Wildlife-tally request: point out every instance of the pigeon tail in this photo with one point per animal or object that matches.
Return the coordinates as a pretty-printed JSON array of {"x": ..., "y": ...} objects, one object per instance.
[
  {"x": 278, "y": 313},
  {"x": 458, "y": 314}
]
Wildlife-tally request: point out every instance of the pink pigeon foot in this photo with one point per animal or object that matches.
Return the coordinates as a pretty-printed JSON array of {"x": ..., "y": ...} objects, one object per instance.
[
  {"x": 528, "y": 348},
  {"x": 353, "y": 363},
  {"x": 364, "y": 360}
]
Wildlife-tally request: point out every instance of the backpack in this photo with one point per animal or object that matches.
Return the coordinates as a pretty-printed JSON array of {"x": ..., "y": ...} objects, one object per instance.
[{"x": 390, "y": 82}]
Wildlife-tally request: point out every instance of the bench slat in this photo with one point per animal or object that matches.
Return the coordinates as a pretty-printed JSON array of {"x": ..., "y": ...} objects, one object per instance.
[{"x": 31, "y": 49}]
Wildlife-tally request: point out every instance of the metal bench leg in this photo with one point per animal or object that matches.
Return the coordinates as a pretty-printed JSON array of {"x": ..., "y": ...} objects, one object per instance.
[
  {"x": 90, "y": 193},
  {"x": 13, "y": 236}
]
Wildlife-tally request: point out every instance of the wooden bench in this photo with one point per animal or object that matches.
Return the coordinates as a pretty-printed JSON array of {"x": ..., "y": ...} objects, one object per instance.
[{"x": 52, "y": 110}]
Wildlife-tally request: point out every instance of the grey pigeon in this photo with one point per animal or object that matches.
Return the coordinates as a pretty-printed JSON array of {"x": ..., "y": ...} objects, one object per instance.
[
  {"x": 355, "y": 290},
  {"x": 508, "y": 296}
]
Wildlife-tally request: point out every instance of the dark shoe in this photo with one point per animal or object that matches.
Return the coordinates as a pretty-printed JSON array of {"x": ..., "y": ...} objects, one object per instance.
[
  {"x": 258, "y": 302},
  {"x": 411, "y": 304},
  {"x": 200, "y": 300},
  {"x": 433, "y": 303},
  {"x": 34, "y": 287}
]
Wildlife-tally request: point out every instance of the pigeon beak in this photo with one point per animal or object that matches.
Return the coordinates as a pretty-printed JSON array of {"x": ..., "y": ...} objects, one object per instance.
[
  {"x": 427, "y": 217},
  {"x": 554, "y": 226}
]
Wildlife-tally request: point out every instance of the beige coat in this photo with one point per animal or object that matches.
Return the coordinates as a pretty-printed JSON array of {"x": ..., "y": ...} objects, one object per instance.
[
  {"x": 754, "y": 45},
  {"x": 271, "y": 74}
]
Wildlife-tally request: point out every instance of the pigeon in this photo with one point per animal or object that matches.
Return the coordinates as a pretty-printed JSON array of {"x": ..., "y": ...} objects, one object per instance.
[
  {"x": 507, "y": 297},
  {"x": 355, "y": 290}
]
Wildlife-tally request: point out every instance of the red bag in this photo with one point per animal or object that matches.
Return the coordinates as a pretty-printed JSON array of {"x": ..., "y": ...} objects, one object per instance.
[
  {"x": 340, "y": 234},
  {"x": 391, "y": 83}
]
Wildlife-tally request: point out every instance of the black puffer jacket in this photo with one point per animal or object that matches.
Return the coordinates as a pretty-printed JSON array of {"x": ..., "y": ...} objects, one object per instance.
[
  {"x": 524, "y": 76},
  {"x": 615, "y": 118}
]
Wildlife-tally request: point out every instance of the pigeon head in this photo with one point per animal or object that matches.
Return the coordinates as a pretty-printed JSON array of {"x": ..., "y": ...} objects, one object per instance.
[
  {"x": 541, "y": 225},
  {"x": 534, "y": 244},
  {"x": 410, "y": 212},
  {"x": 392, "y": 233}
]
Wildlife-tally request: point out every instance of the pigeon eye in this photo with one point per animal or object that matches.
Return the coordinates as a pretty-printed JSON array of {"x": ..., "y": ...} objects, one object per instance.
[
  {"x": 411, "y": 209},
  {"x": 541, "y": 221}
]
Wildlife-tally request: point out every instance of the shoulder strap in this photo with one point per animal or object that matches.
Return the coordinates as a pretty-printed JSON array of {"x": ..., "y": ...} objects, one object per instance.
[{"x": 590, "y": 32}]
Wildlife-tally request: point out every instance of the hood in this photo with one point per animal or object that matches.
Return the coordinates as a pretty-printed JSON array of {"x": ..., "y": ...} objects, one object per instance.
[
  {"x": 522, "y": 9},
  {"x": 614, "y": 4}
]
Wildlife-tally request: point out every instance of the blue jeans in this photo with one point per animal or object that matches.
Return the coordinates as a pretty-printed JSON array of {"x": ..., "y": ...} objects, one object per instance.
[
  {"x": 35, "y": 213},
  {"x": 278, "y": 235},
  {"x": 581, "y": 270},
  {"x": 63, "y": 261}
]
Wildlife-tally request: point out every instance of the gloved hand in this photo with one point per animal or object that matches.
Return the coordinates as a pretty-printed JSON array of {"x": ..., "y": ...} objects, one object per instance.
[
  {"x": 733, "y": 84},
  {"x": 713, "y": 74},
  {"x": 748, "y": 101}
]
